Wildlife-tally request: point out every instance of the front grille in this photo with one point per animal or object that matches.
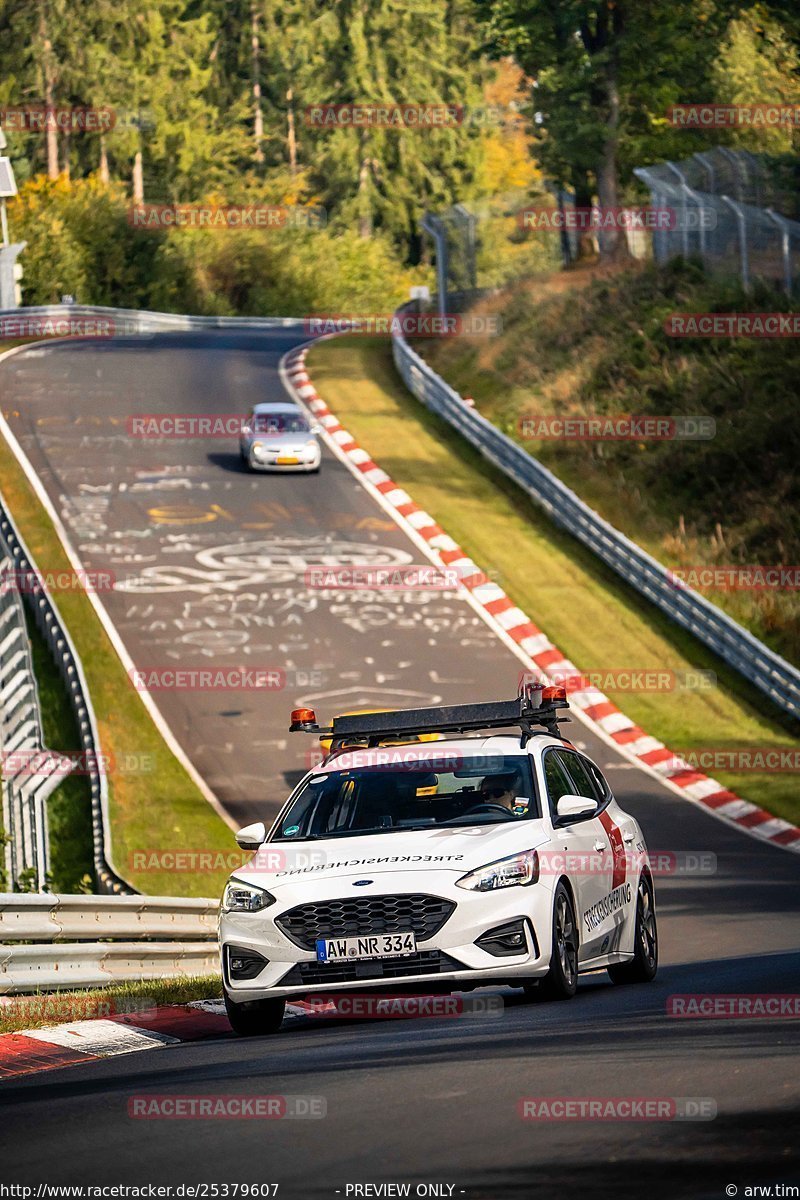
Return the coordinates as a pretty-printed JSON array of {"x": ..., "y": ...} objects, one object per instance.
[
  {"x": 418, "y": 914},
  {"x": 427, "y": 962}
]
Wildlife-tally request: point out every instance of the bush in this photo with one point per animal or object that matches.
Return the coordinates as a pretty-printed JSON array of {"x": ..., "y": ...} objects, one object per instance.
[{"x": 81, "y": 242}]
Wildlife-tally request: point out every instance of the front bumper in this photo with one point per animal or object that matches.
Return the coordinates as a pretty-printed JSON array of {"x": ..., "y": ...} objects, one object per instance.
[
  {"x": 449, "y": 957},
  {"x": 267, "y": 460}
]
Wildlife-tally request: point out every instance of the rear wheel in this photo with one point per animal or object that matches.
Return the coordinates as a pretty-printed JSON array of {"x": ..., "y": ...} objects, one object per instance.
[
  {"x": 255, "y": 1018},
  {"x": 644, "y": 964},
  {"x": 561, "y": 980}
]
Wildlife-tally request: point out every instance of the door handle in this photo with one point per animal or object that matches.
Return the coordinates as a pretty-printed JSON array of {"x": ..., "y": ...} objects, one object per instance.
[{"x": 599, "y": 846}]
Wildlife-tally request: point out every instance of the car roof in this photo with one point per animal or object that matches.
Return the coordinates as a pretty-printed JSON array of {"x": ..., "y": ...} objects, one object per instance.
[
  {"x": 424, "y": 752},
  {"x": 275, "y": 407}
]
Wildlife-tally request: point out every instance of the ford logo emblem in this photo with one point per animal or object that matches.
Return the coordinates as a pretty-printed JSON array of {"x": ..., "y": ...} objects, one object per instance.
[{"x": 363, "y": 882}]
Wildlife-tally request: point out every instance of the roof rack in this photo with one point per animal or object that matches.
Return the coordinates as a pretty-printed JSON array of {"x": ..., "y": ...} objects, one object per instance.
[{"x": 535, "y": 705}]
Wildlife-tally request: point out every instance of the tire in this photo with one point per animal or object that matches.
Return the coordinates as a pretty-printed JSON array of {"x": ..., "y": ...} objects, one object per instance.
[
  {"x": 561, "y": 980},
  {"x": 255, "y": 1018},
  {"x": 643, "y": 966}
]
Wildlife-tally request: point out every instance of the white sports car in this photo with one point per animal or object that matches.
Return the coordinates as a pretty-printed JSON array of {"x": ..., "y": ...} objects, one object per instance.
[
  {"x": 276, "y": 436},
  {"x": 498, "y": 859}
]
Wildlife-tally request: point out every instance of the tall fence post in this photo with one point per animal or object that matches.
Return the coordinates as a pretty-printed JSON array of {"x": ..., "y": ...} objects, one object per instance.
[
  {"x": 742, "y": 224},
  {"x": 684, "y": 189},
  {"x": 786, "y": 256},
  {"x": 433, "y": 226},
  {"x": 706, "y": 162}
]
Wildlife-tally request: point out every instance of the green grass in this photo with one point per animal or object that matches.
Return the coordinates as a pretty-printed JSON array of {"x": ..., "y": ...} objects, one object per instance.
[
  {"x": 583, "y": 607},
  {"x": 53, "y": 1008},
  {"x": 593, "y": 341},
  {"x": 155, "y": 810},
  {"x": 69, "y": 807}
]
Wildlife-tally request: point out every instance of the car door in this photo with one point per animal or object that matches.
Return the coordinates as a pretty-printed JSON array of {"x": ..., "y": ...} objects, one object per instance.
[
  {"x": 584, "y": 844},
  {"x": 619, "y": 829}
]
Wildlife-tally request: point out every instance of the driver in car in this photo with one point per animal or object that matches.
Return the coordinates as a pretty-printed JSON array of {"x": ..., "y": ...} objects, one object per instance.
[{"x": 501, "y": 790}]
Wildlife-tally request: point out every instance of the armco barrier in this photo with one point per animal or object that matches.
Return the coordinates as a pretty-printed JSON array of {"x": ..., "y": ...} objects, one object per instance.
[
  {"x": 21, "y": 323},
  {"x": 143, "y": 937},
  {"x": 769, "y": 672},
  {"x": 24, "y": 794},
  {"x": 69, "y": 667}
]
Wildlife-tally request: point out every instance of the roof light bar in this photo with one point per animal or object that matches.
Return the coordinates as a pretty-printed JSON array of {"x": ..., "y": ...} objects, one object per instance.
[{"x": 536, "y": 705}]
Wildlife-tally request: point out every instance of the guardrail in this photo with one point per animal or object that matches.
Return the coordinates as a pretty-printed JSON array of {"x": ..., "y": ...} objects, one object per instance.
[
  {"x": 29, "y": 773},
  {"x": 69, "y": 667},
  {"x": 765, "y": 669},
  {"x": 104, "y": 939},
  {"x": 20, "y": 323}
]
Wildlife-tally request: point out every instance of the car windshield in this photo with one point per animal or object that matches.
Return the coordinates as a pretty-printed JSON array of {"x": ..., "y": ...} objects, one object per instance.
[
  {"x": 435, "y": 793},
  {"x": 279, "y": 423}
]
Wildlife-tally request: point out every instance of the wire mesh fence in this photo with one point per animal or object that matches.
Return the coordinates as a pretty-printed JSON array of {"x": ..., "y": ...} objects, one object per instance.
[
  {"x": 738, "y": 212},
  {"x": 734, "y": 210}
]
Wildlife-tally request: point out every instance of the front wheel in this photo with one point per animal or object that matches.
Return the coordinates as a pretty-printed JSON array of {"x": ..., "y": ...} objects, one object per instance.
[
  {"x": 561, "y": 980},
  {"x": 644, "y": 964},
  {"x": 255, "y": 1018}
]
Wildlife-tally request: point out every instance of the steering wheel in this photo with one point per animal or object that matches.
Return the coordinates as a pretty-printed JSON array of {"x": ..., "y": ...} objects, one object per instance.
[{"x": 479, "y": 808}]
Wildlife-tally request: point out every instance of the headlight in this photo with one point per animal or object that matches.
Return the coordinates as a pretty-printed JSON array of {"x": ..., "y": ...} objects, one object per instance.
[
  {"x": 245, "y": 897},
  {"x": 520, "y": 870},
  {"x": 258, "y": 447},
  {"x": 312, "y": 445}
]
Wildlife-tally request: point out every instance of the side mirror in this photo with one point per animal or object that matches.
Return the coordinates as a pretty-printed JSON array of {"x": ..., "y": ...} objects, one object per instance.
[
  {"x": 252, "y": 836},
  {"x": 575, "y": 808},
  {"x": 316, "y": 430}
]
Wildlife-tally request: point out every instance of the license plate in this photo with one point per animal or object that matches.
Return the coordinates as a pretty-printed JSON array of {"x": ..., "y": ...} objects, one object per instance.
[
  {"x": 286, "y": 460},
  {"x": 372, "y": 945}
]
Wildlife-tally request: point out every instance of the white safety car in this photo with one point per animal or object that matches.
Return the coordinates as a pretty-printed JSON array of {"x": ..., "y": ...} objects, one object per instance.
[{"x": 486, "y": 858}]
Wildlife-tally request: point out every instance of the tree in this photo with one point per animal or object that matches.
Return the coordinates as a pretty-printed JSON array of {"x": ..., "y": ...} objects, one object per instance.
[
  {"x": 757, "y": 61},
  {"x": 606, "y": 71},
  {"x": 391, "y": 53}
]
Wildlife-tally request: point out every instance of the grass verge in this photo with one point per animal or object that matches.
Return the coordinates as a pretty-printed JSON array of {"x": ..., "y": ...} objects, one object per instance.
[
  {"x": 52, "y": 1008},
  {"x": 157, "y": 806},
  {"x": 589, "y": 613}
]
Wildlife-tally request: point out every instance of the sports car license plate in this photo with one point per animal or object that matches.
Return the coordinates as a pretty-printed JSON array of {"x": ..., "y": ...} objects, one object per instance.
[
  {"x": 287, "y": 460},
  {"x": 373, "y": 945}
]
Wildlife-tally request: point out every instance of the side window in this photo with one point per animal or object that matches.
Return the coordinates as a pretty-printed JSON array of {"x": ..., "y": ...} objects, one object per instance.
[
  {"x": 584, "y": 784},
  {"x": 598, "y": 779},
  {"x": 556, "y": 778}
]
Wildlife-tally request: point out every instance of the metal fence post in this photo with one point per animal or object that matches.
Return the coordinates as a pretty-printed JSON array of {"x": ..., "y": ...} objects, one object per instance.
[
  {"x": 735, "y": 162},
  {"x": 684, "y": 189},
  {"x": 433, "y": 226},
  {"x": 701, "y": 229},
  {"x": 783, "y": 225},
  {"x": 705, "y": 161},
  {"x": 740, "y": 219},
  {"x": 472, "y": 267}
]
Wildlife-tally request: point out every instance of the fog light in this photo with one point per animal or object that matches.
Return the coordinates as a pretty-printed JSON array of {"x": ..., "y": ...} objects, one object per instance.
[
  {"x": 505, "y": 940},
  {"x": 245, "y": 964}
]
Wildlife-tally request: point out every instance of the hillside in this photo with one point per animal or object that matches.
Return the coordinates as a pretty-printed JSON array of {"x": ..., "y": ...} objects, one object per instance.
[{"x": 593, "y": 342}]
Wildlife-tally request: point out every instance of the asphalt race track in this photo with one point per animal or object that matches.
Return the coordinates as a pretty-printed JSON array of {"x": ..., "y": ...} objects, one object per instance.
[{"x": 212, "y": 563}]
